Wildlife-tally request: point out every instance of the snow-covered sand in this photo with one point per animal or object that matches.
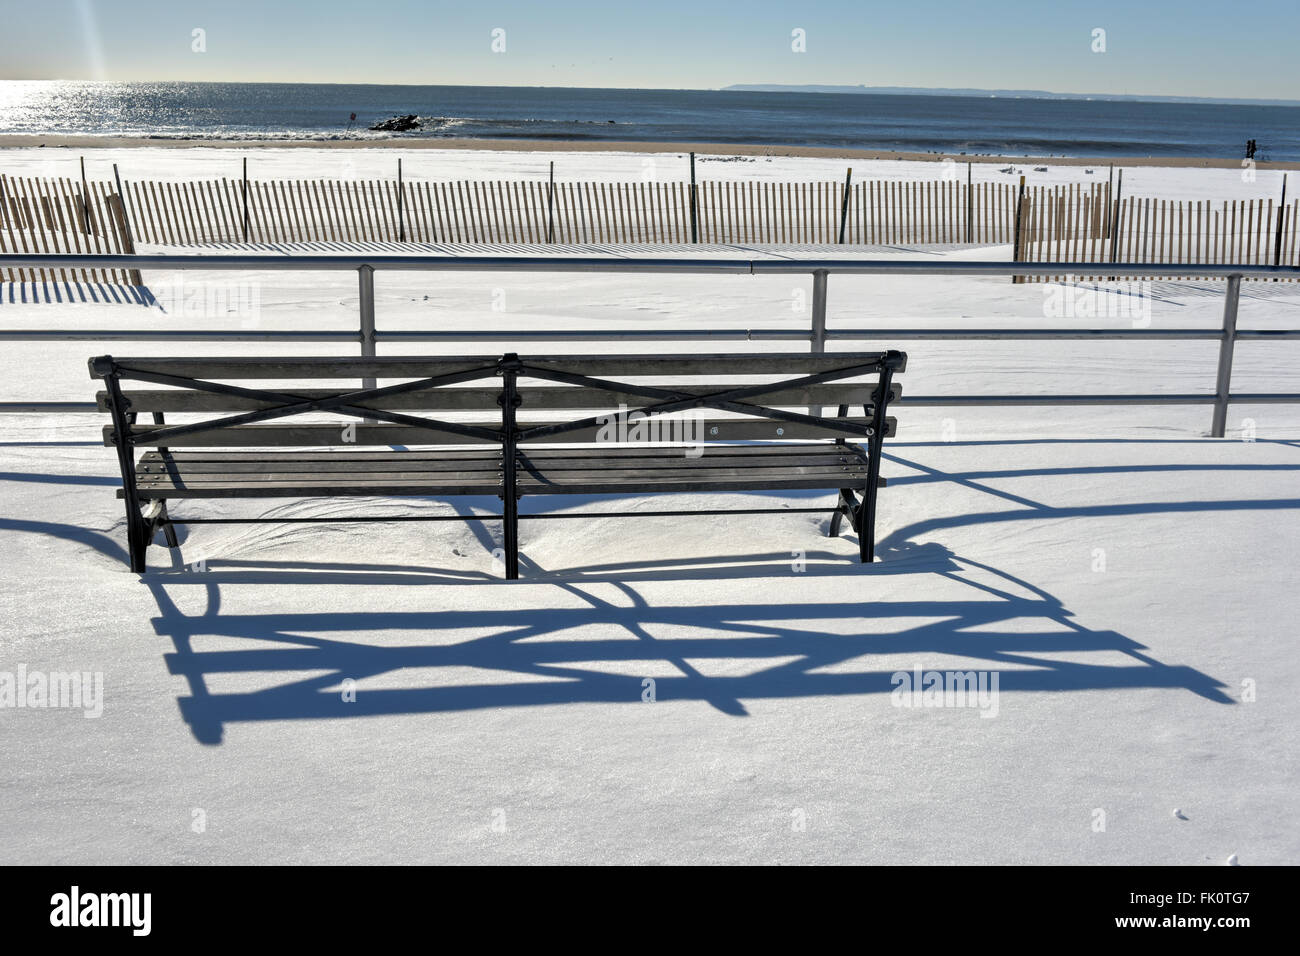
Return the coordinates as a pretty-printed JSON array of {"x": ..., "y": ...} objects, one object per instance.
[
  {"x": 185, "y": 163},
  {"x": 1130, "y": 582}
]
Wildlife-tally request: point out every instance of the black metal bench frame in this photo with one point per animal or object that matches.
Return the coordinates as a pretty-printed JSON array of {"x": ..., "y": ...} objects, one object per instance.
[{"x": 143, "y": 523}]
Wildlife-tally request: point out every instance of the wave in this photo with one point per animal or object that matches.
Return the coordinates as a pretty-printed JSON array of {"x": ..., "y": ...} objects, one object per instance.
[
  {"x": 577, "y": 130},
  {"x": 430, "y": 127}
]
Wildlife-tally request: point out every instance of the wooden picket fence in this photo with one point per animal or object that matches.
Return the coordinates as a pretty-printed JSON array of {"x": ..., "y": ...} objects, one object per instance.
[
  {"x": 214, "y": 211},
  {"x": 63, "y": 216},
  {"x": 532, "y": 211},
  {"x": 1071, "y": 224},
  {"x": 1055, "y": 224}
]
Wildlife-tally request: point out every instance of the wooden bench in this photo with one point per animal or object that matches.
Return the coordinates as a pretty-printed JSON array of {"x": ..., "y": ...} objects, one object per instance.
[{"x": 734, "y": 425}]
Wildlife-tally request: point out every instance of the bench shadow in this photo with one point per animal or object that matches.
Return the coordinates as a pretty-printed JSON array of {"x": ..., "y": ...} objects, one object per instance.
[
  {"x": 536, "y": 648},
  {"x": 544, "y": 655}
]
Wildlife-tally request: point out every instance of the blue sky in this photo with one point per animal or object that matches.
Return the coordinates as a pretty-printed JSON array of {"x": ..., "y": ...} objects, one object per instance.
[{"x": 1187, "y": 48}]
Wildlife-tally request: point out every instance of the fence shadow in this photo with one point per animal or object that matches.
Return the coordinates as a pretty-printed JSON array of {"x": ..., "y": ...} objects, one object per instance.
[{"x": 68, "y": 292}]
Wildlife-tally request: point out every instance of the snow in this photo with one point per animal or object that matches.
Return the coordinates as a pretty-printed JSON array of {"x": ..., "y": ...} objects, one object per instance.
[
  {"x": 1129, "y": 581},
  {"x": 418, "y": 165}
]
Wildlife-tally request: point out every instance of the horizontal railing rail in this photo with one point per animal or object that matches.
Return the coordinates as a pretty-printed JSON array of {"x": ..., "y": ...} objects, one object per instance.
[
  {"x": 562, "y": 262},
  {"x": 817, "y": 334}
]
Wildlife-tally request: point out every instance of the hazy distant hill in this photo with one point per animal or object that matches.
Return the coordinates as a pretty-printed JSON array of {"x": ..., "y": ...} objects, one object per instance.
[{"x": 1023, "y": 94}]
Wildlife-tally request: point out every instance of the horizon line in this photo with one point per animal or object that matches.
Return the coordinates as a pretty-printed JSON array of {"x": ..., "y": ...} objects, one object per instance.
[{"x": 826, "y": 89}]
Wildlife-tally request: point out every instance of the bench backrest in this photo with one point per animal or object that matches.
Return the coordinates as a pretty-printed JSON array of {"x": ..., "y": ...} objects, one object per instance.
[{"x": 225, "y": 402}]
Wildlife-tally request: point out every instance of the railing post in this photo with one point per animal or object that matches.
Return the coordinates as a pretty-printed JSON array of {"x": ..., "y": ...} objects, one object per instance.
[
  {"x": 818, "y": 338},
  {"x": 819, "y": 312},
  {"x": 366, "y": 284},
  {"x": 1223, "y": 384}
]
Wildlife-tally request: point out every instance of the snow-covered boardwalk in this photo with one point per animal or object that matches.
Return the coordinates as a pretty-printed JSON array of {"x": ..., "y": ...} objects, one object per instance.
[
  {"x": 1134, "y": 598},
  {"x": 1105, "y": 597}
]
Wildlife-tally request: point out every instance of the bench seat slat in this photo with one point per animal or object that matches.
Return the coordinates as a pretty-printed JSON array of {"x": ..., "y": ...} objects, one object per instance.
[
  {"x": 583, "y": 453},
  {"x": 549, "y": 471},
  {"x": 403, "y": 462},
  {"x": 827, "y": 481},
  {"x": 389, "y": 487},
  {"x": 544, "y": 476}
]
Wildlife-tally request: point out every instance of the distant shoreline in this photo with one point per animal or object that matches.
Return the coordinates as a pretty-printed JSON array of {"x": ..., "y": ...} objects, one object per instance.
[
  {"x": 976, "y": 93},
  {"x": 29, "y": 141}
]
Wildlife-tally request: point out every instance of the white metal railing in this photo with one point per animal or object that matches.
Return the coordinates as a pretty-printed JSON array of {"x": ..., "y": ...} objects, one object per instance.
[{"x": 816, "y": 334}]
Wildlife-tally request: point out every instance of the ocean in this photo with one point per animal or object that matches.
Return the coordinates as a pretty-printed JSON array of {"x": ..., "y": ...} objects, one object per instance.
[{"x": 909, "y": 122}]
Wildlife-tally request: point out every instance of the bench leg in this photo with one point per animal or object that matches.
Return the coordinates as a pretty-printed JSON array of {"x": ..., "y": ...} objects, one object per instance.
[
  {"x": 847, "y": 505},
  {"x": 137, "y": 537},
  {"x": 836, "y": 518},
  {"x": 140, "y": 532},
  {"x": 866, "y": 524},
  {"x": 511, "y": 534},
  {"x": 169, "y": 530},
  {"x": 139, "y": 527},
  {"x": 867, "y": 519},
  {"x": 862, "y": 518}
]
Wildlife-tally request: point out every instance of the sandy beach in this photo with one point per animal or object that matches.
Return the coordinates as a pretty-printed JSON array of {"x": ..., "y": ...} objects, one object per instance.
[{"x": 16, "y": 141}]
